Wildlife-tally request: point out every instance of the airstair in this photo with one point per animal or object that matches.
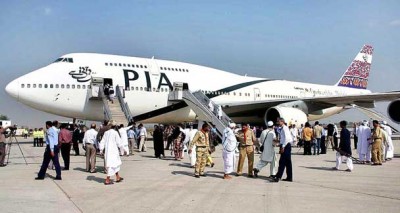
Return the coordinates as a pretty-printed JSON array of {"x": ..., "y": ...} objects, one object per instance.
[
  {"x": 117, "y": 109},
  {"x": 372, "y": 113},
  {"x": 204, "y": 108}
]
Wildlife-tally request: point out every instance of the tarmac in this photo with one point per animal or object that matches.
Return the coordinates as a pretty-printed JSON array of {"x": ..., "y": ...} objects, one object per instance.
[{"x": 154, "y": 185}]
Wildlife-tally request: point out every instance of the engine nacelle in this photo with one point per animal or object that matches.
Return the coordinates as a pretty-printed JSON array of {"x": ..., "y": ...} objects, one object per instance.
[
  {"x": 291, "y": 115},
  {"x": 393, "y": 111}
]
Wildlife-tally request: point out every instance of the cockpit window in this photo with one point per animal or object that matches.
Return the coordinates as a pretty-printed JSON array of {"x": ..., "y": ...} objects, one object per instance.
[{"x": 68, "y": 60}]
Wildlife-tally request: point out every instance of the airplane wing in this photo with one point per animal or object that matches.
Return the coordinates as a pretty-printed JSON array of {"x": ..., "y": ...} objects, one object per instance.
[{"x": 314, "y": 103}]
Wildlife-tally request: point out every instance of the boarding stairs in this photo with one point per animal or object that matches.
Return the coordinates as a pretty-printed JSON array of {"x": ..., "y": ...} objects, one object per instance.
[
  {"x": 372, "y": 113},
  {"x": 118, "y": 109},
  {"x": 200, "y": 103}
]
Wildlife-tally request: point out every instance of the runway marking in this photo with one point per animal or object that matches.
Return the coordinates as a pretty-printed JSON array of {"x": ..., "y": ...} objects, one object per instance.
[{"x": 69, "y": 197}]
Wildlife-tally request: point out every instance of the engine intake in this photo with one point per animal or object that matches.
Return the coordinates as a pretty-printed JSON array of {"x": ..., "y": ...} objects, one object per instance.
[
  {"x": 393, "y": 111},
  {"x": 291, "y": 115}
]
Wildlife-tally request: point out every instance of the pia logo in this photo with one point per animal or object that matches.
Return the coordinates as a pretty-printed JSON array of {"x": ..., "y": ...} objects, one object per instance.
[{"x": 83, "y": 75}]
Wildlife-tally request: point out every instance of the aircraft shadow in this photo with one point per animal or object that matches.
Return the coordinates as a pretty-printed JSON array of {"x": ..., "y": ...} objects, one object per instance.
[
  {"x": 318, "y": 168},
  {"x": 186, "y": 165}
]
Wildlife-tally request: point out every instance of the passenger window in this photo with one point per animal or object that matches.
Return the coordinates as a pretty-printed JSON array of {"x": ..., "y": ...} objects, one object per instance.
[
  {"x": 141, "y": 88},
  {"x": 57, "y": 86},
  {"x": 62, "y": 86},
  {"x": 160, "y": 68},
  {"x": 83, "y": 86},
  {"x": 137, "y": 66},
  {"x": 46, "y": 86},
  {"x": 78, "y": 86},
  {"x": 67, "y": 86},
  {"x": 115, "y": 64},
  {"x": 120, "y": 64},
  {"x": 129, "y": 65},
  {"x": 22, "y": 85},
  {"x": 124, "y": 65},
  {"x": 40, "y": 85},
  {"x": 73, "y": 86},
  {"x": 28, "y": 86},
  {"x": 137, "y": 88},
  {"x": 169, "y": 68},
  {"x": 145, "y": 66},
  {"x": 141, "y": 66},
  {"x": 111, "y": 64},
  {"x": 89, "y": 87},
  {"x": 34, "y": 85},
  {"x": 51, "y": 86}
]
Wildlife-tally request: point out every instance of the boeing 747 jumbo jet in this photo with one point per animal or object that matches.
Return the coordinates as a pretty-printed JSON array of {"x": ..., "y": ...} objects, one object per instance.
[{"x": 64, "y": 88}]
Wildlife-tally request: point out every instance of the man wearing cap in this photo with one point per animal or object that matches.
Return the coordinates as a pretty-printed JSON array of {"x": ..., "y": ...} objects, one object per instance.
[
  {"x": 285, "y": 145},
  {"x": 202, "y": 142},
  {"x": 246, "y": 140},
  {"x": 364, "y": 137},
  {"x": 268, "y": 154},
  {"x": 389, "y": 149},
  {"x": 228, "y": 153},
  {"x": 109, "y": 145},
  {"x": 377, "y": 137}
]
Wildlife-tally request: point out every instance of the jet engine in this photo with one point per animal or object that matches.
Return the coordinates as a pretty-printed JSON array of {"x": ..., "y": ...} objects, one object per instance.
[
  {"x": 393, "y": 111},
  {"x": 290, "y": 114}
]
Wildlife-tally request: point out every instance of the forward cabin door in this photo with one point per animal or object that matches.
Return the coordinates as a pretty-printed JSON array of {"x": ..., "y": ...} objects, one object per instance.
[{"x": 153, "y": 72}]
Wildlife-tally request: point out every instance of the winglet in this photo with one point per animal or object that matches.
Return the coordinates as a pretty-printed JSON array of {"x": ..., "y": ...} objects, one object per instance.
[{"x": 356, "y": 75}]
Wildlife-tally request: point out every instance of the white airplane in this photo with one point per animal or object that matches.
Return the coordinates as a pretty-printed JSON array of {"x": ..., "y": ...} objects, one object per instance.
[{"x": 64, "y": 87}]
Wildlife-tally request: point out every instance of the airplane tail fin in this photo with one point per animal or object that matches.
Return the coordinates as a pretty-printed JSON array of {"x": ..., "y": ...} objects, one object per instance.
[{"x": 356, "y": 75}]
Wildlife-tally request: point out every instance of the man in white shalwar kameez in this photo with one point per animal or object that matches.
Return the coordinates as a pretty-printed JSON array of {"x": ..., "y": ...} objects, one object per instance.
[
  {"x": 123, "y": 131},
  {"x": 389, "y": 146},
  {"x": 228, "y": 153},
  {"x": 192, "y": 156},
  {"x": 363, "y": 146},
  {"x": 268, "y": 155},
  {"x": 109, "y": 145}
]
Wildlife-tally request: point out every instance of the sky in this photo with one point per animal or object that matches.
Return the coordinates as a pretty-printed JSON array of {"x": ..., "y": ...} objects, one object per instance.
[{"x": 308, "y": 41}]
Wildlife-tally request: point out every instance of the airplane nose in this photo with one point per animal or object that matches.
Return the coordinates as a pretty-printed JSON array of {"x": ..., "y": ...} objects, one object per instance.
[{"x": 12, "y": 89}]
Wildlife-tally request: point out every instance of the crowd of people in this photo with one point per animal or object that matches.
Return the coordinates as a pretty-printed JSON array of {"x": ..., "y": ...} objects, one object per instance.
[{"x": 111, "y": 140}]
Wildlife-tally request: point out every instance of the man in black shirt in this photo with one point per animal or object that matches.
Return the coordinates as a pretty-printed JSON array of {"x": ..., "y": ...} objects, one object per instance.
[
  {"x": 331, "y": 129},
  {"x": 75, "y": 139},
  {"x": 344, "y": 150}
]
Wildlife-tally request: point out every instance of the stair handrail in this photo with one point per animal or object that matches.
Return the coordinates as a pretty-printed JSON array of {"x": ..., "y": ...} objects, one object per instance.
[
  {"x": 380, "y": 115},
  {"x": 201, "y": 96},
  {"x": 124, "y": 106},
  {"x": 106, "y": 108}
]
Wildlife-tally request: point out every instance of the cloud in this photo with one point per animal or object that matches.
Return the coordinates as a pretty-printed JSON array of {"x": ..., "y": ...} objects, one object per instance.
[
  {"x": 47, "y": 11},
  {"x": 395, "y": 23}
]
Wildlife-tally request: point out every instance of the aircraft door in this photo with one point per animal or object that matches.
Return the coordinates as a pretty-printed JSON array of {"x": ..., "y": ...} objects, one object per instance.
[
  {"x": 257, "y": 94},
  {"x": 154, "y": 70},
  {"x": 95, "y": 85}
]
